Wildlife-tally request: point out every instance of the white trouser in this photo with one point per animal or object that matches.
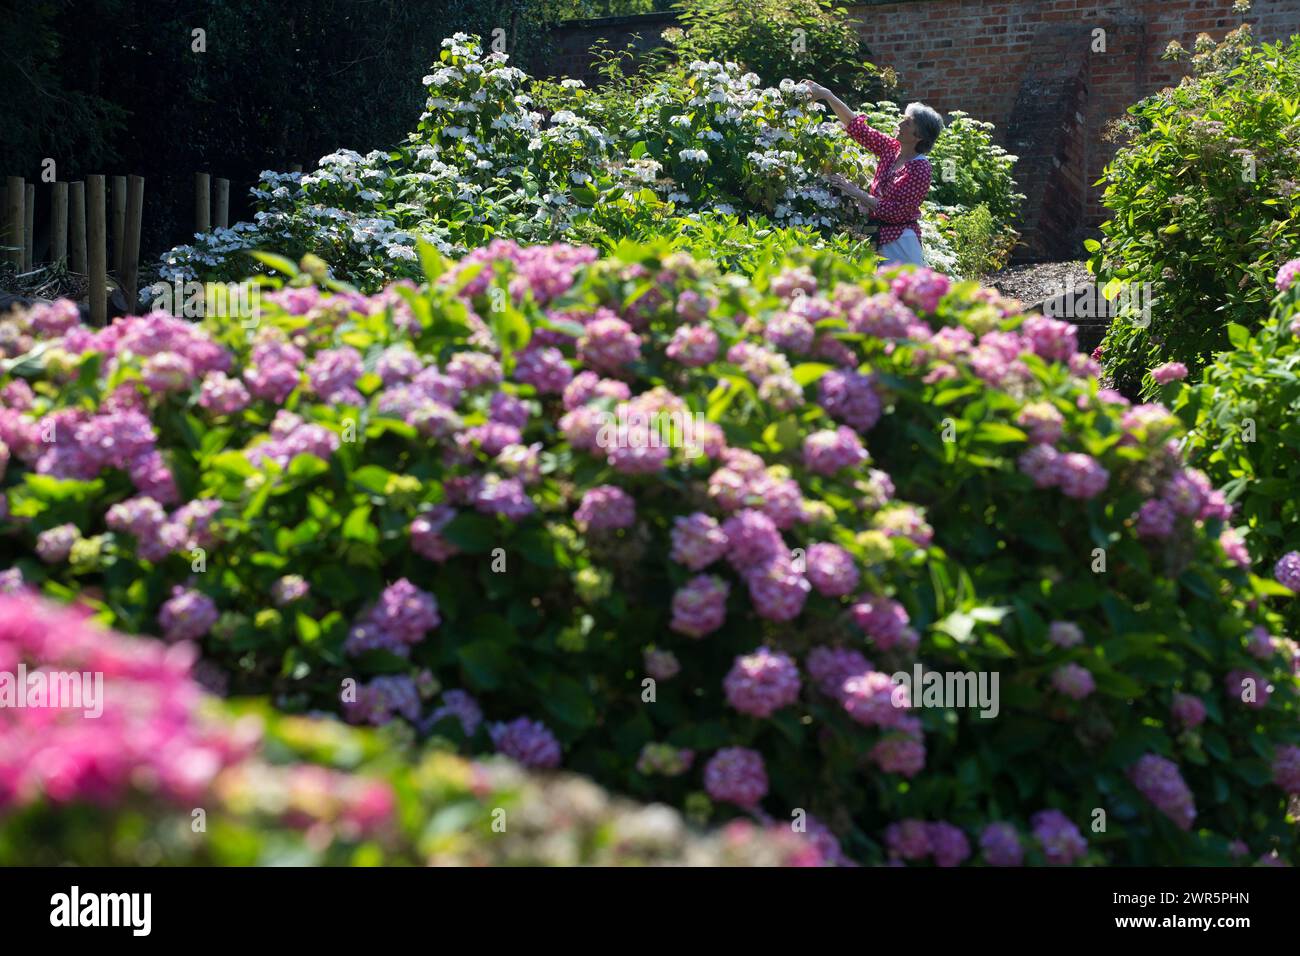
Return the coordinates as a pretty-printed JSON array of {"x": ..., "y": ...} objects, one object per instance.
[{"x": 905, "y": 250}]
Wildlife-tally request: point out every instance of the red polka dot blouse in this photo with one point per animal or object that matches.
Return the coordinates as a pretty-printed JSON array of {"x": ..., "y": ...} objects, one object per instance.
[{"x": 900, "y": 189}]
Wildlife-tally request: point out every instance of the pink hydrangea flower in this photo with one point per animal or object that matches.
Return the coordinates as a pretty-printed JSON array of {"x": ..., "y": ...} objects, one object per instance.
[
  {"x": 700, "y": 606},
  {"x": 832, "y": 570},
  {"x": 1073, "y": 681},
  {"x": 1065, "y": 634},
  {"x": 777, "y": 589},
  {"x": 761, "y": 683},
  {"x": 883, "y": 619},
  {"x": 606, "y": 508},
  {"x": 1169, "y": 372},
  {"x": 1248, "y": 687},
  {"x": 697, "y": 541},
  {"x": 1286, "y": 275},
  {"x": 1080, "y": 476},
  {"x": 1286, "y": 767},
  {"x": 826, "y": 452},
  {"x": 693, "y": 345},
  {"x": 1188, "y": 711}
]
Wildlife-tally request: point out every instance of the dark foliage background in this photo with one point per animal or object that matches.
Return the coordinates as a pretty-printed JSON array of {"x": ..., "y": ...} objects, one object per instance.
[{"x": 116, "y": 87}]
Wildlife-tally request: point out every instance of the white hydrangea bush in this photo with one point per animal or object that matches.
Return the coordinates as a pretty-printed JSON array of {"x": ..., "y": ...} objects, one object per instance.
[{"x": 487, "y": 161}]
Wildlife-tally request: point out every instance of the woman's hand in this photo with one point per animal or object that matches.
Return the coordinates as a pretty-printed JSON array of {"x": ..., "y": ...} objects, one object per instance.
[{"x": 816, "y": 90}]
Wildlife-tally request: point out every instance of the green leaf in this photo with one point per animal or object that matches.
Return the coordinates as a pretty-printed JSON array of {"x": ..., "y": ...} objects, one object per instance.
[
  {"x": 808, "y": 372},
  {"x": 277, "y": 262},
  {"x": 485, "y": 662}
]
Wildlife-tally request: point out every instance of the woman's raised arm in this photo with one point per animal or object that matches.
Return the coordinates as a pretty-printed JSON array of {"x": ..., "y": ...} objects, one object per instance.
[{"x": 870, "y": 139}]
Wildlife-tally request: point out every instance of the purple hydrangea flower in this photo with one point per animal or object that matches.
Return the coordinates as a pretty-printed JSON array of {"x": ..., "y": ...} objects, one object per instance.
[
  {"x": 54, "y": 546},
  {"x": 380, "y": 700},
  {"x": 426, "y": 534},
  {"x": 830, "y": 667},
  {"x": 1060, "y": 839},
  {"x": 1287, "y": 571},
  {"x": 401, "y": 618},
  {"x": 1001, "y": 845},
  {"x": 187, "y": 615},
  {"x": 908, "y": 840},
  {"x": 529, "y": 742},
  {"x": 948, "y": 844},
  {"x": 462, "y": 706},
  {"x": 736, "y": 775},
  {"x": 1065, "y": 634},
  {"x": 1158, "y": 779}
]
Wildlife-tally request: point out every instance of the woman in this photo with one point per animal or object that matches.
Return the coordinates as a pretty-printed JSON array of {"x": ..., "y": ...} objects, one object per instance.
[{"x": 902, "y": 177}]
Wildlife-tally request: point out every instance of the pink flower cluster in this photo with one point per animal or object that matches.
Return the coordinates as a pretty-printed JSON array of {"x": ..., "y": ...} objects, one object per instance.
[
  {"x": 761, "y": 683},
  {"x": 149, "y": 728}
]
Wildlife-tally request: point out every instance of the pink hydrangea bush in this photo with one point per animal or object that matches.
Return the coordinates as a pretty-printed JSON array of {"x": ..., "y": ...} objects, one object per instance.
[
  {"x": 112, "y": 778},
  {"x": 522, "y": 491}
]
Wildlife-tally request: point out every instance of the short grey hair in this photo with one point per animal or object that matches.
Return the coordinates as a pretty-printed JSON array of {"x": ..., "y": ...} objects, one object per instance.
[{"x": 928, "y": 123}]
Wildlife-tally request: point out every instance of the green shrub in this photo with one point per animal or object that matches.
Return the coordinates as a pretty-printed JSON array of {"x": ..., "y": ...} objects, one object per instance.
[
  {"x": 1243, "y": 421},
  {"x": 783, "y": 38},
  {"x": 979, "y": 248},
  {"x": 1205, "y": 204},
  {"x": 370, "y": 514}
]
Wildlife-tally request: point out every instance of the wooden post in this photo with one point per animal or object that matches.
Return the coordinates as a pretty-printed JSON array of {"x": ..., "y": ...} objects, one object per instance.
[
  {"x": 77, "y": 254},
  {"x": 14, "y": 220},
  {"x": 202, "y": 202},
  {"x": 97, "y": 263},
  {"x": 119, "y": 224},
  {"x": 29, "y": 224},
  {"x": 221, "y": 216},
  {"x": 59, "y": 222},
  {"x": 131, "y": 252}
]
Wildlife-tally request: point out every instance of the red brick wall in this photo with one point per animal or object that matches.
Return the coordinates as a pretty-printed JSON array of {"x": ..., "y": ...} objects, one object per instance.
[
  {"x": 1025, "y": 65},
  {"x": 972, "y": 55}
]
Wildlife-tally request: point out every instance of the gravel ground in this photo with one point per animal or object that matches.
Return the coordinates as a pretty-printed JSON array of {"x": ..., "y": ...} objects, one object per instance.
[{"x": 1033, "y": 283}]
